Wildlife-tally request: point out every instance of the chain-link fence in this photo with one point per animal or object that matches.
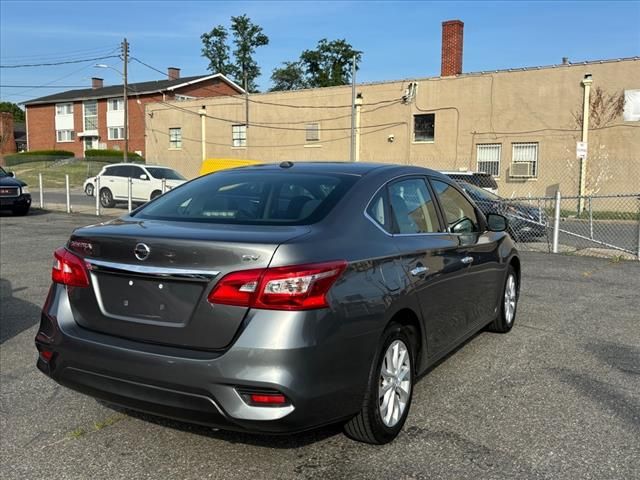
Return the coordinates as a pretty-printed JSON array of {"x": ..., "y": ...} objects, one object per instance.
[{"x": 596, "y": 225}]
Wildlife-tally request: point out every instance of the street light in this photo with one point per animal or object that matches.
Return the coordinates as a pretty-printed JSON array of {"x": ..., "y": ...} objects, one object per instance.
[{"x": 125, "y": 155}]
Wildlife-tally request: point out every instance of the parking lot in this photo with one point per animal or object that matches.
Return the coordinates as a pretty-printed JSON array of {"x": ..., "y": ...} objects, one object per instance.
[{"x": 558, "y": 397}]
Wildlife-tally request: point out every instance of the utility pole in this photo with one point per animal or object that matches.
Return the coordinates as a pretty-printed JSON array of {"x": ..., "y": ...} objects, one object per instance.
[
  {"x": 125, "y": 57},
  {"x": 246, "y": 98},
  {"x": 587, "y": 81},
  {"x": 352, "y": 152}
]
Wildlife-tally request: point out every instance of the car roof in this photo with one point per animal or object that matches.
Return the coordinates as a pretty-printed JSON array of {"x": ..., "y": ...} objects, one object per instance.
[
  {"x": 129, "y": 164},
  {"x": 353, "y": 168}
]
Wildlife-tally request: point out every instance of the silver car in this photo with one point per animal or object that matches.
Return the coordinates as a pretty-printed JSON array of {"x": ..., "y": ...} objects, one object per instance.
[{"x": 278, "y": 298}]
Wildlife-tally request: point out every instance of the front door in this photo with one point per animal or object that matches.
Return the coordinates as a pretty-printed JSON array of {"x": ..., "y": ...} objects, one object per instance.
[{"x": 90, "y": 143}]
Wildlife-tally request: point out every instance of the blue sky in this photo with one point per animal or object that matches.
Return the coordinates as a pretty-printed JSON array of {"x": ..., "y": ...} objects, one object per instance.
[{"x": 399, "y": 39}]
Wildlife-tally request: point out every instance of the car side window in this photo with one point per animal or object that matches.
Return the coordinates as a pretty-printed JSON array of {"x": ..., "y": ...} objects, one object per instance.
[
  {"x": 135, "y": 172},
  {"x": 378, "y": 210},
  {"x": 412, "y": 206},
  {"x": 459, "y": 213},
  {"x": 108, "y": 172}
]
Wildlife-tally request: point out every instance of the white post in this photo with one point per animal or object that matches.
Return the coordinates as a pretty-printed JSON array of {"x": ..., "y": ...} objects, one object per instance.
[
  {"x": 556, "y": 223},
  {"x": 41, "y": 192},
  {"x": 587, "y": 81},
  {"x": 66, "y": 184},
  {"x": 203, "y": 132},
  {"x": 129, "y": 184},
  {"x": 97, "y": 194},
  {"x": 357, "y": 131},
  {"x": 590, "y": 218},
  {"x": 164, "y": 185}
]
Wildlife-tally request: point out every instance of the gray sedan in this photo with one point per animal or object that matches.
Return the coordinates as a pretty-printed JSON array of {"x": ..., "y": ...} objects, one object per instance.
[{"x": 278, "y": 298}]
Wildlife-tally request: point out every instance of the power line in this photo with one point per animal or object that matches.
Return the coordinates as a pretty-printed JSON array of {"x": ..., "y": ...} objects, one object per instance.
[
  {"x": 59, "y": 63},
  {"x": 60, "y": 56},
  {"x": 43, "y": 86}
]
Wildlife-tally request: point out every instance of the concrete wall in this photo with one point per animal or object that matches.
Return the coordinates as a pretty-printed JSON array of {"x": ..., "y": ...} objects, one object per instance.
[{"x": 506, "y": 107}]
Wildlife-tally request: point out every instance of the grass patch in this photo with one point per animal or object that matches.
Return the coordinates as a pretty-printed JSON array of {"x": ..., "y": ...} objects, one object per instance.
[
  {"x": 107, "y": 422},
  {"x": 78, "y": 432},
  {"x": 53, "y": 176}
]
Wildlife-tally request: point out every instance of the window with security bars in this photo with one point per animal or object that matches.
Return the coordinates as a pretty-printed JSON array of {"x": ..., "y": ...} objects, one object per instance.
[
  {"x": 489, "y": 158},
  {"x": 175, "y": 138},
  {"x": 91, "y": 115},
  {"x": 524, "y": 160},
  {"x": 424, "y": 127},
  {"x": 239, "y": 135},
  {"x": 312, "y": 132}
]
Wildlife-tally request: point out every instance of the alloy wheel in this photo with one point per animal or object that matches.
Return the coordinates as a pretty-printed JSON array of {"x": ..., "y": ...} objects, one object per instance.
[
  {"x": 394, "y": 390},
  {"x": 510, "y": 298}
]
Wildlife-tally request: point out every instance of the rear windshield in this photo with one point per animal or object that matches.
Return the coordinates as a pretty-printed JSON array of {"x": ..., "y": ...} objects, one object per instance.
[
  {"x": 167, "y": 173},
  {"x": 243, "y": 198}
]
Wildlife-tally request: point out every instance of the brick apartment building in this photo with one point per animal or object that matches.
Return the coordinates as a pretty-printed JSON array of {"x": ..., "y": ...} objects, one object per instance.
[{"x": 93, "y": 118}]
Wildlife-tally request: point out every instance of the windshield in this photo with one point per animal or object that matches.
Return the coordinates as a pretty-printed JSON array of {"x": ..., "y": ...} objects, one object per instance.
[
  {"x": 243, "y": 198},
  {"x": 168, "y": 173},
  {"x": 478, "y": 193}
]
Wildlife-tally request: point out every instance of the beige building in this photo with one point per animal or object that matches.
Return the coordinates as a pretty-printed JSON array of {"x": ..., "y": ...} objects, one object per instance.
[{"x": 519, "y": 124}]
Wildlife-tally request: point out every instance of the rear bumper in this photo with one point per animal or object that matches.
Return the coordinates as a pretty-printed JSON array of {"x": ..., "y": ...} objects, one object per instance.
[{"x": 306, "y": 357}]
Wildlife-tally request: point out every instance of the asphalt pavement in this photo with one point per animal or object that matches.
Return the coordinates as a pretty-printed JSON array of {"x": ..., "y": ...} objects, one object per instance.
[{"x": 557, "y": 398}]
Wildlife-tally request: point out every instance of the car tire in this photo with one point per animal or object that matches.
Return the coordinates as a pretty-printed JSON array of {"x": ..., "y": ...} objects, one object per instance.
[
  {"x": 106, "y": 198},
  {"x": 21, "y": 211},
  {"x": 370, "y": 425},
  {"x": 508, "y": 304},
  {"x": 155, "y": 194},
  {"x": 89, "y": 190}
]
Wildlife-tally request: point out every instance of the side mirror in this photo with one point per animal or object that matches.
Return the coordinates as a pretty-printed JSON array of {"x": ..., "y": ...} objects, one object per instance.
[
  {"x": 144, "y": 177},
  {"x": 496, "y": 222},
  {"x": 11, "y": 174}
]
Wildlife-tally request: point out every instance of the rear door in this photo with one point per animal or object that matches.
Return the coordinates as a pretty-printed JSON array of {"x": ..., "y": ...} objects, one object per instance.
[
  {"x": 430, "y": 258},
  {"x": 115, "y": 180},
  {"x": 477, "y": 254},
  {"x": 140, "y": 187}
]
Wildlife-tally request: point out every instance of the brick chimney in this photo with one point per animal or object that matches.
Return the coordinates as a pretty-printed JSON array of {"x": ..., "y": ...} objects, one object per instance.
[
  {"x": 451, "y": 48},
  {"x": 96, "y": 83},
  {"x": 173, "y": 73}
]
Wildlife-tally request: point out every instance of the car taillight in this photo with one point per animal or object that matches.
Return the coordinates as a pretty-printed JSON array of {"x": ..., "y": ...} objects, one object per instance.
[
  {"x": 69, "y": 269},
  {"x": 300, "y": 287}
]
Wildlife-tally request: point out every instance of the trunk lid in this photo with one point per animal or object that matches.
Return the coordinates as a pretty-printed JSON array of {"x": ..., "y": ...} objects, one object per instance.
[{"x": 150, "y": 280}]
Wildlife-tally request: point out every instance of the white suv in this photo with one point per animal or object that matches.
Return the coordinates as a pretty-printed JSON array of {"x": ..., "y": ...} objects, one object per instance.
[{"x": 146, "y": 182}]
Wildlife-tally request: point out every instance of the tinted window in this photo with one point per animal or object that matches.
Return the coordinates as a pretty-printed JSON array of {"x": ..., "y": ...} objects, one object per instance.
[
  {"x": 265, "y": 198},
  {"x": 167, "y": 173},
  {"x": 459, "y": 214},
  {"x": 109, "y": 171},
  {"x": 412, "y": 206},
  {"x": 135, "y": 172},
  {"x": 483, "y": 180},
  {"x": 378, "y": 210}
]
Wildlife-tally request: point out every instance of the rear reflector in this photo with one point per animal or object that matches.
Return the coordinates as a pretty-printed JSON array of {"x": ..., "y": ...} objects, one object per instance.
[
  {"x": 68, "y": 269},
  {"x": 267, "y": 399},
  {"x": 46, "y": 355},
  {"x": 299, "y": 287}
]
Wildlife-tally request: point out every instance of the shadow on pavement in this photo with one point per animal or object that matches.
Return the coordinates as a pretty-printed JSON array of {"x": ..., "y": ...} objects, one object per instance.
[{"x": 16, "y": 315}]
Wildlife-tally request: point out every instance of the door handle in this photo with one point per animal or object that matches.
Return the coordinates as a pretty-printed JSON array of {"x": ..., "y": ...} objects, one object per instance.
[
  {"x": 419, "y": 270},
  {"x": 467, "y": 260}
]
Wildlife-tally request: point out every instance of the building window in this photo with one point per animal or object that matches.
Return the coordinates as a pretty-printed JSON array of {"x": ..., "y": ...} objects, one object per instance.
[
  {"x": 65, "y": 135},
  {"x": 90, "y": 115},
  {"x": 64, "y": 108},
  {"x": 184, "y": 98},
  {"x": 524, "y": 160},
  {"x": 424, "y": 127},
  {"x": 239, "y": 135},
  {"x": 175, "y": 138},
  {"x": 489, "y": 158},
  {"x": 116, "y": 133},
  {"x": 312, "y": 132},
  {"x": 631, "y": 106},
  {"x": 115, "y": 104}
]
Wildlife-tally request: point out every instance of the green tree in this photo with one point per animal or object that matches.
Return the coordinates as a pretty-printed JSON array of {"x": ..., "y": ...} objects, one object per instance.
[
  {"x": 15, "y": 110},
  {"x": 247, "y": 36},
  {"x": 328, "y": 65}
]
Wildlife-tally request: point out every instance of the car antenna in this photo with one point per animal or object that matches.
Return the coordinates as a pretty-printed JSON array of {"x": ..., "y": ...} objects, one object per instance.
[{"x": 286, "y": 164}]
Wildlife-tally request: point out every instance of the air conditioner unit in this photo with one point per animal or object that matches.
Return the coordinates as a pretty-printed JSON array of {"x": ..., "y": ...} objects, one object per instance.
[{"x": 521, "y": 169}]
